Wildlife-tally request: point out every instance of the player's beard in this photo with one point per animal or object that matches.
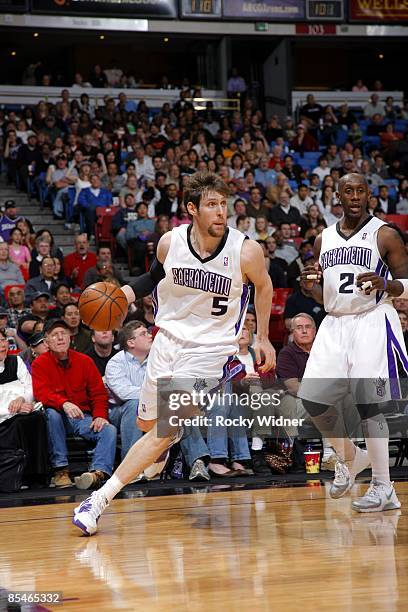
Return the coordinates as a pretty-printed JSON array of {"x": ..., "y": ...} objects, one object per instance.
[{"x": 216, "y": 231}]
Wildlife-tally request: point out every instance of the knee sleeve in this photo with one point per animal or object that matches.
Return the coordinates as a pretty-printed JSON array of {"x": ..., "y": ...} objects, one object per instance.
[
  {"x": 368, "y": 411},
  {"x": 314, "y": 408}
]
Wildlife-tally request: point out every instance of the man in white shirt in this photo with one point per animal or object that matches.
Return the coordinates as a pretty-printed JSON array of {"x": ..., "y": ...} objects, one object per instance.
[
  {"x": 301, "y": 200},
  {"x": 323, "y": 168},
  {"x": 143, "y": 165}
]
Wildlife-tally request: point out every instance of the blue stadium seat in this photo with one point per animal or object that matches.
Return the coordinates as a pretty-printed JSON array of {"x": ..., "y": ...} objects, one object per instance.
[{"x": 401, "y": 125}]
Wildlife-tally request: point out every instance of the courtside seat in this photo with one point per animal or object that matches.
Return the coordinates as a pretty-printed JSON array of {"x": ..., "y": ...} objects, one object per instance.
[{"x": 400, "y": 220}]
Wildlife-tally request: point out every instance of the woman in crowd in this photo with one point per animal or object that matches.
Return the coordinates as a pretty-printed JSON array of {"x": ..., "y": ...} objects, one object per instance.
[
  {"x": 19, "y": 252},
  {"x": 10, "y": 273},
  {"x": 181, "y": 217},
  {"x": 312, "y": 220},
  {"x": 22, "y": 425}
]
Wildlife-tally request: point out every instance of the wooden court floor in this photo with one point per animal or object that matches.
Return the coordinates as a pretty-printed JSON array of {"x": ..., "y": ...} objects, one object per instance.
[{"x": 266, "y": 549}]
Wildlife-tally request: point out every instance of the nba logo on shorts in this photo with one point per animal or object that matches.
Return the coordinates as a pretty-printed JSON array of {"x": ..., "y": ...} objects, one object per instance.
[
  {"x": 143, "y": 407},
  {"x": 364, "y": 236},
  {"x": 226, "y": 260}
]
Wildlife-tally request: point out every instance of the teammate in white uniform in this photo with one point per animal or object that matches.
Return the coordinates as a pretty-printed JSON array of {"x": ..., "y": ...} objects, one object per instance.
[
  {"x": 200, "y": 295},
  {"x": 359, "y": 345}
]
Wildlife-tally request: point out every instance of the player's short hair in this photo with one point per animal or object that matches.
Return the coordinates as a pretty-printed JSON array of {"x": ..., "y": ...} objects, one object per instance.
[
  {"x": 200, "y": 184},
  {"x": 126, "y": 333}
]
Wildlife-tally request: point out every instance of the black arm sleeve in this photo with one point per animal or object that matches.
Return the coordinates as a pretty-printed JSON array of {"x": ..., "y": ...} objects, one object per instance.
[{"x": 144, "y": 284}]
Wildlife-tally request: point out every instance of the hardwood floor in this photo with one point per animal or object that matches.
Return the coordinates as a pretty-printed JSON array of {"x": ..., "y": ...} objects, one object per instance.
[{"x": 269, "y": 549}]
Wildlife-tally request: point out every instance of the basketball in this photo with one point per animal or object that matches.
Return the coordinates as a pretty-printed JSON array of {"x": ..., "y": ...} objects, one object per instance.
[{"x": 103, "y": 306}]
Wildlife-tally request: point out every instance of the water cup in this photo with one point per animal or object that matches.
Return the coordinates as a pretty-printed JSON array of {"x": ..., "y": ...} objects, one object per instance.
[{"x": 312, "y": 462}]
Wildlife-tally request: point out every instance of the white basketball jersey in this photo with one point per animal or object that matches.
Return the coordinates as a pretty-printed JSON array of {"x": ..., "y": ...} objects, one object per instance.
[
  {"x": 342, "y": 259},
  {"x": 202, "y": 300}
]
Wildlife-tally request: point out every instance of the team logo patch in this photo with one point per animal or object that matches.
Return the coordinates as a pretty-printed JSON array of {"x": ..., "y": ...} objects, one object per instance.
[
  {"x": 226, "y": 262},
  {"x": 200, "y": 384},
  {"x": 380, "y": 386}
]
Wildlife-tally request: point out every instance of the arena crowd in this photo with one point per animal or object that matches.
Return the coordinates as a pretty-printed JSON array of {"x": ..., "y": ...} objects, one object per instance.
[{"x": 122, "y": 166}]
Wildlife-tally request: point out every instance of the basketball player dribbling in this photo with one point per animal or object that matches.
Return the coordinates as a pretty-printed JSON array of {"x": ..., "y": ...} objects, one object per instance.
[
  {"x": 200, "y": 292},
  {"x": 359, "y": 345}
]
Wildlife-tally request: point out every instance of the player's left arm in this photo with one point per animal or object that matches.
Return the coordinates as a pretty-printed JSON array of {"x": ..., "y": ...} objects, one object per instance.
[
  {"x": 253, "y": 269},
  {"x": 392, "y": 249}
]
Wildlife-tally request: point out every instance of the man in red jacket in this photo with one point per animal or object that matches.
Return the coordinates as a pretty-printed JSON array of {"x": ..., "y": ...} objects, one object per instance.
[
  {"x": 72, "y": 391},
  {"x": 79, "y": 261}
]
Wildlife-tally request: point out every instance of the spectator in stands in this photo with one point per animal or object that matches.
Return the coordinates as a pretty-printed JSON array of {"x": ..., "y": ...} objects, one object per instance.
[
  {"x": 10, "y": 274},
  {"x": 129, "y": 188},
  {"x": 112, "y": 180},
  {"x": 44, "y": 282},
  {"x": 60, "y": 179},
  {"x": 35, "y": 347},
  {"x": 15, "y": 342},
  {"x": 169, "y": 201},
  {"x": 21, "y": 425},
  {"x": 296, "y": 267},
  {"x": 97, "y": 78},
  {"x": 137, "y": 232},
  {"x": 276, "y": 266},
  {"x": 90, "y": 198},
  {"x": 346, "y": 116},
  {"x": 265, "y": 176},
  {"x": 375, "y": 127},
  {"x": 143, "y": 164},
  {"x": 292, "y": 171},
  {"x": 312, "y": 111},
  {"x": 261, "y": 230},
  {"x": 291, "y": 365},
  {"x": 236, "y": 85},
  {"x": 18, "y": 252},
  {"x": 12, "y": 145},
  {"x": 302, "y": 300},
  {"x": 323, "y": 169},
  {"x": 121, "y": 219},
  {"x": 379, "y": 167},
  {"x": 359, "y": 86},
  {"x": 93, "y": 275},
  {"x": 101, "y": 349},
  {"x": 387, "y": 204},
  {"x": 303, "y": 141},
  {"x": 9, "y": 219},
  {"x": 390, "y": 139},
  {"x": 255, "y": 207},
  {"x": 286, "y": 247},
  {"x": 78, "y": 262},
  {"x": 301, "y": 200},
  {"x": 373, "y": 179},
  {"x": 71, "y": 389},
  {"x": 374, "y": 107},
  {"x": 39, "y": 304},
  {"x": 16, "y": 308},
  {"x": 403, "y": 317},
  {"x": 334, "y": 214},
  {"x": 27, "y": 155},
  {"x": 284, "y": 212},
  {"x": 124, "y": 376},
  {"x": 62, "y": 295},
  {"x": 313, "y": 218},
  {"x": 80, "y": 337}
]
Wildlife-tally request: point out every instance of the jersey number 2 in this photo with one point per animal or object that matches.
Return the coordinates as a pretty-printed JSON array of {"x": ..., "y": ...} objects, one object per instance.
[
  {"x": 219, "y": 306},
  {"x": 347, "y": 285}
]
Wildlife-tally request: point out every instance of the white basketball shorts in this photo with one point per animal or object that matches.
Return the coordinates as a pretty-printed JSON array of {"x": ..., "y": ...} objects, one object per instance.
[
  {"x": 188, "y": 365},
  {"x": 363, "y": 354}
]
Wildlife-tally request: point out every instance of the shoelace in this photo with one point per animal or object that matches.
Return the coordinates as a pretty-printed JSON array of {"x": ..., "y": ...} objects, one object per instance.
[
  {"x": 373, "y": 491},
  {"x": 95, "y": 505},
  {"x": 341, "y": 473}
]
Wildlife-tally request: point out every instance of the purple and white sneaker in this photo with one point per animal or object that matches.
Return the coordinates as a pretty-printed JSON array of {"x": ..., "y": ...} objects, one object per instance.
[
  {"x": 87, "y": 514},
  {"x": 158, "y": 466}
]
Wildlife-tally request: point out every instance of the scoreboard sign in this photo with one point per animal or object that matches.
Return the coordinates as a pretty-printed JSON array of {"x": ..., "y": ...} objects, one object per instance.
[
  {"x": 378, "y": 11},
  {"x": 324, "y": 10},
  {"x": 114, "y": 8},
  {"x": 268, "y": 10},
  {"x": 15, "y": 6},
  {"x": 201, "y": 9}
]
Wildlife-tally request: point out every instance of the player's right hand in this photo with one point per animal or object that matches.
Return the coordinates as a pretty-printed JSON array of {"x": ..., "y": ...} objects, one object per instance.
[
  {"x": 72, "y": 411},
  {"x": 310, "y": 275}
]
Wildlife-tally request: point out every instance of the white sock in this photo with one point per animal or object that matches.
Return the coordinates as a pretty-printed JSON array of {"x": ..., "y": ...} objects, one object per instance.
[
  {"x": 257, "y": 443},
  {"x": 376, "y": 435},
  {"x": 111, "y": 488}
]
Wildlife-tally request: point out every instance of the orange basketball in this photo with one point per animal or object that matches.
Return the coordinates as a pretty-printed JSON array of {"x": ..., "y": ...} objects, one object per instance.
[{"x": 103, "y": 306}]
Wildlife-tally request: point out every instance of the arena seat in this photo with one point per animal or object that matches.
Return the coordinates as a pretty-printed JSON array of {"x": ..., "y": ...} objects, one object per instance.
[
  {"x": 277, "y": 328},
  {"x": 103, "y": 227},
  {"x": 8, "y": 287},
  {"x": 400, "y": 220}
]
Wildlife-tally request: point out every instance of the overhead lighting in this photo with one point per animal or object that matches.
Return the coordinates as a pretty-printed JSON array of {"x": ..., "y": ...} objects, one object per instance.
[
  {"x": 166, "y": 39},
  {"x": 36, "y": 34},
  {"x": 381, "y": 56},
  {"x": 102, "y": 37},
  {"x": 13, "y": 53}
]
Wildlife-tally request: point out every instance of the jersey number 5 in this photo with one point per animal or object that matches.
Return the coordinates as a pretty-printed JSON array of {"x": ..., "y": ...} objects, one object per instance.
[
  {"x": 348, "y": 282},
  {"x": 220, "y": 306}
]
